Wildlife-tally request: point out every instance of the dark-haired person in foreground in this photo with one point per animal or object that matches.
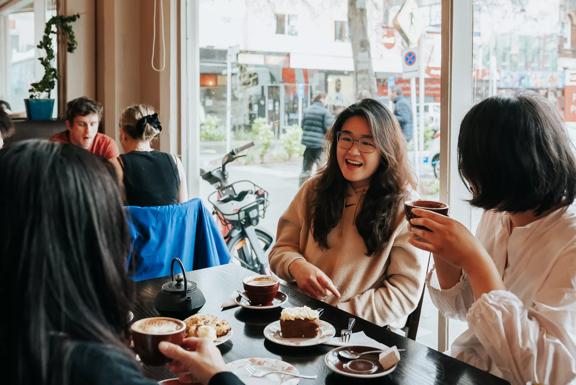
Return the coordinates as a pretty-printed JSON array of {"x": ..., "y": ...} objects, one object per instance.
[
  {"x": 515, "y": 282},
  {"x": 83, "y": 117},
  {"x": 6, "y": 126},
  {"x": 344, "y": 238},
  {"x": 65, "y": 295}
]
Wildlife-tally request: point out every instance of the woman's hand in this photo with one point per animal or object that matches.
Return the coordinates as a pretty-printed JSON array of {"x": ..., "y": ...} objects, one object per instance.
[
  {"x": 196, "y": 360},
  {"x": 448, "y": 239},
  {"x": 454, "y": 244},
  {"x": 311, "y": 280}
]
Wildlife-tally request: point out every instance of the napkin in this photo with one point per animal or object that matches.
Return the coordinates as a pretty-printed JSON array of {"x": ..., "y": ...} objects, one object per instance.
[
  {"x": 358, "y": 338},
  {"x": 228, "y": 303}
]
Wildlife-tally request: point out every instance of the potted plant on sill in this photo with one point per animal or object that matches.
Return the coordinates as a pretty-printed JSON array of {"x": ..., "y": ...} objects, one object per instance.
[{"x": 40, "y": 105}]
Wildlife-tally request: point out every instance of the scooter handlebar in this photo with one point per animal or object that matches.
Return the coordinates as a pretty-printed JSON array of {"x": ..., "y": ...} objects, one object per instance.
[{"x": 238, "y": 150}]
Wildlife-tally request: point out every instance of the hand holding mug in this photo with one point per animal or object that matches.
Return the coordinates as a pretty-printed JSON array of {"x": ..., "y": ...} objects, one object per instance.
[{"x": 447, "y": 238}]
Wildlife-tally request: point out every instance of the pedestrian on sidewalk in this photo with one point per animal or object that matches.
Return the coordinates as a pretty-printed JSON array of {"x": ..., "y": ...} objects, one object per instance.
[
  {"x": 403, "y": 112},
  {"x": 315, "y": 124}
]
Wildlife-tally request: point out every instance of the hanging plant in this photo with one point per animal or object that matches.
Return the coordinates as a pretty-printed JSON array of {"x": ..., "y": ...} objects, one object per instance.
[{"x": 56, "y": 24}]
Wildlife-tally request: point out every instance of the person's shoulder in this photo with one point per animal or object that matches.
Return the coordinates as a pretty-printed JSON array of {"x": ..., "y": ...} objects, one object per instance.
[
  {"x": 89, "y": 358},
  {"x": 60, "y": 137},
  {"x": 105, "y": 146},
  {"x": 104, "y": 138}
]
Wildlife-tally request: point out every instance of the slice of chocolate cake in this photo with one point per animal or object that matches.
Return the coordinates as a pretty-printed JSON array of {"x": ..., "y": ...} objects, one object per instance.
[{"x": 299, "y": 322}]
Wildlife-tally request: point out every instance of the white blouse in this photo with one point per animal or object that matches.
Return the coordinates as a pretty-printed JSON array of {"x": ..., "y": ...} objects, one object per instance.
[{"x": 527, "y": 332}]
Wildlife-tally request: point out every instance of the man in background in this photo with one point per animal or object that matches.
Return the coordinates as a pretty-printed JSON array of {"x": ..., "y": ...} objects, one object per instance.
[
  {"x": 316, "y": 122},
  {"x": 83, "y": 117},
  {"x": 403, "y": 112}
]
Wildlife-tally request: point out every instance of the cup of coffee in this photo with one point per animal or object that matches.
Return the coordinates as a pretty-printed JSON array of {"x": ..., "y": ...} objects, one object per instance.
[
  {"x": 437, "y": 207},
  {"x": 147, "y": 333},
  {"x": 261, "y": 289}
]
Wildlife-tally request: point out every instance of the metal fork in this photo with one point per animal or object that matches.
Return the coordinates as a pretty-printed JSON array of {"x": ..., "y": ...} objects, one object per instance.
[
  {"x": 345, "y": 334},
  {"x": 259, "y": 373}
]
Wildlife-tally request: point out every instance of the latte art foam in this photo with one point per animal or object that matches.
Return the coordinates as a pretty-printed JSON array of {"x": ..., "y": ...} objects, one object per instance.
[{"x": 157, "y": 326}]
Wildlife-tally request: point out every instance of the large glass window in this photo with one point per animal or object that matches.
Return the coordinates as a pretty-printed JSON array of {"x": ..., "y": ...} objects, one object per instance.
[
  {"x": 23, "y": 25},
  {"x": 22, "y": 58},
  {"x": 286, "y": 24},
  {"x": 262, "y": 63}
]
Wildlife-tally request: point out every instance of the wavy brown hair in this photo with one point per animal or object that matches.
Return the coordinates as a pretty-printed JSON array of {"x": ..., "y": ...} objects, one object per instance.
[{"x": 388, "y": 186}]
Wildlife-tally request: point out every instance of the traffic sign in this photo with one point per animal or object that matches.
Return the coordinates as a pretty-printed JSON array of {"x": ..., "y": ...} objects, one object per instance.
[
  {"x": 409, "y": 22},
  {"x": 410, "y": 62},
  {"x": 388, "y": 37}
]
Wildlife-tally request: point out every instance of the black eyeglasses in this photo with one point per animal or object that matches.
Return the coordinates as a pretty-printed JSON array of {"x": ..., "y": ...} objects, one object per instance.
[{"x": 346, "y": 141}]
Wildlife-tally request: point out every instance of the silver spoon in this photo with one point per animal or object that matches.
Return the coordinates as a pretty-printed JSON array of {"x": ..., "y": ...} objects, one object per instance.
[
  {"x": 350, "y": 355},
  {"x": 243, "y": 296}
]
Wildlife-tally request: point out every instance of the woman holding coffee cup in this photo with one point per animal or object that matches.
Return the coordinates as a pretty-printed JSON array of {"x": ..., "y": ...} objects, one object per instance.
[
  {"x": 515, "y": 282},
  {"x": 63, "y": 242},
  {"x": 344, "y": 238}
]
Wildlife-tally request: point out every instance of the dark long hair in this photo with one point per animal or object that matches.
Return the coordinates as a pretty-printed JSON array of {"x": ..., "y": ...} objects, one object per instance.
[
  {"x": 63, "y": 240},
  {"x": 388, "y": 186},
  {"x": 515, "y": 155}
]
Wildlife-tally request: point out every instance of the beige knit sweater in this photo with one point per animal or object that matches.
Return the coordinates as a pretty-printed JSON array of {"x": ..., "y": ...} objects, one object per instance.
[{"x": 381, "y": 288}]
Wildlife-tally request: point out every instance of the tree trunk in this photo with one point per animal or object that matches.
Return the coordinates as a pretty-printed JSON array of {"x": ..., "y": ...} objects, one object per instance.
[{"x": 364, "y": 77}]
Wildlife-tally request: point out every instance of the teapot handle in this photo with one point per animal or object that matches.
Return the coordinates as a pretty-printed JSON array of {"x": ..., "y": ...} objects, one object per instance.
[{"x": 183, "y": 272}]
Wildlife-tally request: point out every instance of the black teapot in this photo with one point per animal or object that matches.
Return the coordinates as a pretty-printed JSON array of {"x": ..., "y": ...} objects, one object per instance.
[{"x": 179, "y": 298}]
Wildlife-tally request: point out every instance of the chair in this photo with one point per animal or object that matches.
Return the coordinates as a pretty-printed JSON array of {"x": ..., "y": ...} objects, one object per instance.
[
  {"x": 411, "y": 328},
  {"x": 160, "y": 233},
  {"x": 413, "y": 320}
]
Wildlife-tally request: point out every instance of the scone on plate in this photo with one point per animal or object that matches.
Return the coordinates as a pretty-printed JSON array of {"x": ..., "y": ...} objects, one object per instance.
[
  {"x": 196, "y": 322},
  {"x": 299, "y": 322}
]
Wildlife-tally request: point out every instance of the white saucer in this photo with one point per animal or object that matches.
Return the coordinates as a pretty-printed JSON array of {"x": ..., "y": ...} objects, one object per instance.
[
  {"x": 335, "y": 363},
  {"x": 279, "y": 300},
  {"x": 272, "y": 333},
  {"x": 238, "y": 367},
  {"x": 220, "y": 340}
]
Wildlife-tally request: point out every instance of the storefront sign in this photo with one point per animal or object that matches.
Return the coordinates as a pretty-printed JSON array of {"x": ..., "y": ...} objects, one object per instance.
[
  {"x": 570, "y": 103},
  {"x": 388, "y": 37}
]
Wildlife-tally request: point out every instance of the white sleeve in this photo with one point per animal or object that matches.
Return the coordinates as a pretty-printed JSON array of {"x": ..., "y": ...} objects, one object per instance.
[
  {"x": 535, "y": 344},
  {"x": 453, "y": 302}
]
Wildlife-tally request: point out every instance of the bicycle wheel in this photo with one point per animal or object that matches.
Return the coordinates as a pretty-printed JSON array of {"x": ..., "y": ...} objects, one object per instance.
[{"x": 242, "y": 251}]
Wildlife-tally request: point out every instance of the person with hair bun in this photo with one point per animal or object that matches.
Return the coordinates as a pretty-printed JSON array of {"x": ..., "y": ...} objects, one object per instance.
[{"x": 149, "y": 177}]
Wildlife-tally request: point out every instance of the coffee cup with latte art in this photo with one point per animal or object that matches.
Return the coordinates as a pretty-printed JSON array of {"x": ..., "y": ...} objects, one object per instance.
[{"x": 147, "y": 333}]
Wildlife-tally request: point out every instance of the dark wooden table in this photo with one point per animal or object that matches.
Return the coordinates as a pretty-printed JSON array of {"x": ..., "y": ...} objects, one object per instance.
[{"x": 419, "y": 364}]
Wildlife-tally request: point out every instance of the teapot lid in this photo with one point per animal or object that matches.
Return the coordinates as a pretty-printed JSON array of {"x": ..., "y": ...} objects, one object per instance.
[{"x": 178, "y": 285}]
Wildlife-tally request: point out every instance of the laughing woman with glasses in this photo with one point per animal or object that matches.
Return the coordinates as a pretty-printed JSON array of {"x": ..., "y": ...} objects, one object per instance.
[{"x": 344, "y": 239}]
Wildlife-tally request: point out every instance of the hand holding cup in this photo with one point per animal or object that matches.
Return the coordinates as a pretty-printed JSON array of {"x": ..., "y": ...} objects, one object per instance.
[{"x": 147, "y": 333}]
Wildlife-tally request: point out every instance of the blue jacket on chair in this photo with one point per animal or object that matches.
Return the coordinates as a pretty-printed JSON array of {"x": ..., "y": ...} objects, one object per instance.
[{"x": 160, "y": 233}]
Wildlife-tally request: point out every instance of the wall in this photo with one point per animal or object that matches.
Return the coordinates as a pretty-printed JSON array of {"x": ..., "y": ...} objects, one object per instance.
[
  {"x": 124, "y": 31},
  {"x": 80, "y": 73}
]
